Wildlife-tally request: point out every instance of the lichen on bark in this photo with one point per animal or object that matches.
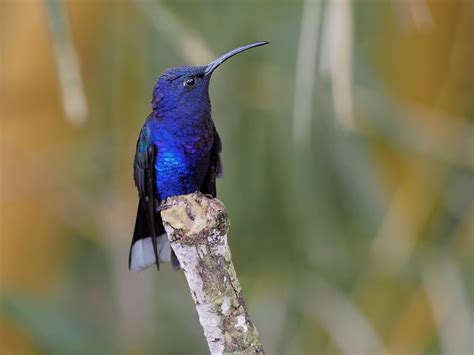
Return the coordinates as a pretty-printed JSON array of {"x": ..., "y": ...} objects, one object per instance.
[{"x": 197, "y": 228}]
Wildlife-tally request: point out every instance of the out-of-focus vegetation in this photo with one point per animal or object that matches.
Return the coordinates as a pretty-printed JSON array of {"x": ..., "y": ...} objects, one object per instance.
[{"x": 348, "y": 155}]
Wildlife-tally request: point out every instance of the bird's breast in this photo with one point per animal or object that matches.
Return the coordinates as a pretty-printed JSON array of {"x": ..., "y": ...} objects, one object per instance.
[{"x": 181, "y": 167}]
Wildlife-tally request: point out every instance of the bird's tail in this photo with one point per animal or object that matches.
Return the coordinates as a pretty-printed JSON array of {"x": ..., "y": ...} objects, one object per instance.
[{"x": 142, "y": 255}]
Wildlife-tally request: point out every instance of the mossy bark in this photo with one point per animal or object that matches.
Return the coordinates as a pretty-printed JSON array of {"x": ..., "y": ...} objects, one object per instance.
[{"x": 197, "y": 228}]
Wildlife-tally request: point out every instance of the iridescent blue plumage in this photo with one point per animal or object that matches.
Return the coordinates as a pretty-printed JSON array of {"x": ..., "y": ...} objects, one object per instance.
[{"x": 177, "y": 153}]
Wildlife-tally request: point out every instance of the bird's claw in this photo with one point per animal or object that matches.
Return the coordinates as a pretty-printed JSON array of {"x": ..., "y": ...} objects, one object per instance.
[{"x": 163, "y": 207}]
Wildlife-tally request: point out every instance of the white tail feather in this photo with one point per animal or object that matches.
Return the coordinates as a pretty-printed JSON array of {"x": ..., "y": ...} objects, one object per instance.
[{"x": 142, "y": 252}]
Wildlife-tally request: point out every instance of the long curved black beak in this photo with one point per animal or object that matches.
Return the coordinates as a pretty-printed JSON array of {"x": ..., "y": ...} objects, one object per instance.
[{"x": 215, "y": 63}]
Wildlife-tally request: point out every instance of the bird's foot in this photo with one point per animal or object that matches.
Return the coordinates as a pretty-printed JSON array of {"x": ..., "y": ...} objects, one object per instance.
[
  {"x": 199, "y": 193},
  {"x": 163, "y": 207}
]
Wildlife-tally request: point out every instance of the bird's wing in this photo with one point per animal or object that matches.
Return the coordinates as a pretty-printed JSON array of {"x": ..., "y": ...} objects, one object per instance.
[
  {"x": 145, "y": 181},
  {"x": 215, "y": 166}
]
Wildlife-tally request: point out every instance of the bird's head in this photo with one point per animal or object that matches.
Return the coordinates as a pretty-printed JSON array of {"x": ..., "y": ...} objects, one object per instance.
[
  {"x": 181, "y": 87},
  {"x": 186, "y": 89}
]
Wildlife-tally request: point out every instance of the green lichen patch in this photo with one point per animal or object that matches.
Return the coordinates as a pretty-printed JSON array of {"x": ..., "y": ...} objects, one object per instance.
[{"x": 192, "y": 218}]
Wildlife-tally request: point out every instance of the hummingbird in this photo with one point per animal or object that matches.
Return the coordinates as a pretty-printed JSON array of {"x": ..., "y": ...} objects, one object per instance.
[{"x": 178, "y": 152}]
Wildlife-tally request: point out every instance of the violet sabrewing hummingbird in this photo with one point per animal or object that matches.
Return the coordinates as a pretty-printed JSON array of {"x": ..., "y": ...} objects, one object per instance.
[{"x": 177, "y": 153}]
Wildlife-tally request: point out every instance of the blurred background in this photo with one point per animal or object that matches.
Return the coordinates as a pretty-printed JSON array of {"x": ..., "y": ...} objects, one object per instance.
[{"x": 349, "y": 169}]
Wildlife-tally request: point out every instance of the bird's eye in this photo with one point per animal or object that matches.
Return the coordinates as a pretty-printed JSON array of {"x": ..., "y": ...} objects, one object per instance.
[{"x": 189, "y": 82}]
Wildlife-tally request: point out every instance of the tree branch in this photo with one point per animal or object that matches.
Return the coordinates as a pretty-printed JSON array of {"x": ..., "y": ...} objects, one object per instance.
[{"x": 197, "y": 229}]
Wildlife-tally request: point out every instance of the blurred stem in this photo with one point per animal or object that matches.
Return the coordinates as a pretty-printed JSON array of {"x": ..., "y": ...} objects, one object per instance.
[
  {"x": 348, "y": 327},
  {"x": 336, "y": 58},
  {"x": 189, "y": 44},
  {"x": 73, "y": 96},
  {"x": 305, "y": 73},
  {"x": 447, "y": 294}
]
